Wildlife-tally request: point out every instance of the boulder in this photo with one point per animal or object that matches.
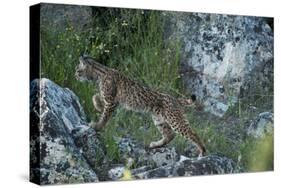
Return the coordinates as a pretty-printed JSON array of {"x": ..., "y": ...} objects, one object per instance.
[
  {"x": 223, "y": 57},
  {"x": 69, "y": 17},
  {"x": 141, "y": 156},
  {"x": 261, "y": 125},
  {"x": 212, "y": 164},
  {"x": 63, "y": 148}
]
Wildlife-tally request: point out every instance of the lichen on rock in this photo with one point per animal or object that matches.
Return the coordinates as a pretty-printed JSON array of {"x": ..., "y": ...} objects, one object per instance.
[
  {"x": 261, "y": 125},
  {"x": 55, "y": 158},
  {"x": 223, "y": 57},
  {"x": 64, "y": 149}
]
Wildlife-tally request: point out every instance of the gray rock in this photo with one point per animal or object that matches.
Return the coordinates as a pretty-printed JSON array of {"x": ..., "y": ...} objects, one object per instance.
[
  {"x": 223, "y": 56},
  {"x": 68, "y": 17},
  {"x": 142, "y": 156},
  {"x": 166, "y": 162},
  {"x": 86, "y": 140},
  {"x": 65, "y": 150},
  {"x": 163, "y": 156},
  {"x": 58, "y": 125},
  {"x": 261, "y": 125},
  {"x": 140, "y": 170},
  {"x": 208, "y": 165},
  {"x": 116, "y": 173}
]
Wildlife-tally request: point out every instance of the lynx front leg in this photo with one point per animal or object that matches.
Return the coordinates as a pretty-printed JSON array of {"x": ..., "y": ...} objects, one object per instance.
[
  {"x": 106, "y": 114},
  {"x": 108, "y": 91},
  {"x": 100, "y": 107},
  {"x": 98, "y": 103},
  {"x": 166, "y": 131}
]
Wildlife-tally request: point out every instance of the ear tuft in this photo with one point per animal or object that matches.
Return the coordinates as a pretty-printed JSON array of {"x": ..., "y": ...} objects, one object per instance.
[{"x": 85, "y": 59}]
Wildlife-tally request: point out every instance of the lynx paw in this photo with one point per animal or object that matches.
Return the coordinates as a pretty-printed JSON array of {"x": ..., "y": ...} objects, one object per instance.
[
  {"x": 91, "y": 124},
  {"x": 153, "y": 145},
  {"x": 95, "y": 126},
  {"x": 202, "y": 154}
]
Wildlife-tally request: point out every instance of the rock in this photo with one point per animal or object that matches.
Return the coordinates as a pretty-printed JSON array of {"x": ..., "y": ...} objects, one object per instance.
[
  {"x": 261, "y": 125},
  {"x": 153, "y": 157},
  {"x": 183, "y": 166},
  {"x": 126, "y": 145},
  {"x": 58, "y": 129},
  {"x": 65, "y": 150},
  {"x": 191, "y": 151},
  {"x": 124, "y": 173},
  {"x": 212, "y": 164},
  {"x": 66, "y": 16},
  {"x": 116, "y": 173},
  {"x": 166, "y": 162},
  {"x": 141, "y": 170},
  {"x": 223, "y": 56},
  {"x": 163, "y": 156}
]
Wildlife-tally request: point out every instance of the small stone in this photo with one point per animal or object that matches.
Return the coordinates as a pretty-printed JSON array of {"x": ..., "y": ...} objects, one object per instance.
[
  {"x": 116, "y": 173},
  {"x": 221, "y": 89},
  {"x": 261, "y": 125}
]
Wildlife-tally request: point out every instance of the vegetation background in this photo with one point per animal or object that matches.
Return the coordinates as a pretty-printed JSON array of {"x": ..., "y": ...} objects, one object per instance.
[{"x": 132, "y": 41}]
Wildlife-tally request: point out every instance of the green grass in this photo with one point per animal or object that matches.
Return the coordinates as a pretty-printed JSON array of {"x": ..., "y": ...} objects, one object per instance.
[
  {"x": 131, "y": 41},
  {"x": 258, "y": 154}
]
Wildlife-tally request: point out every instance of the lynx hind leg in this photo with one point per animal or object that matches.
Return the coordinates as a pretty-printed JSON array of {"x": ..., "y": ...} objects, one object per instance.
[
  {"x": 190, "y": 134},
  {"x": 98, "y": 103},
  {"x": 166, "y": 131},
  {"x": 178, "y": 123}
]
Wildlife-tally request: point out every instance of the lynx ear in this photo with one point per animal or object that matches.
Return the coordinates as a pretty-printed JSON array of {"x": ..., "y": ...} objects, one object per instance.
[{"x": 85, "y": 59}]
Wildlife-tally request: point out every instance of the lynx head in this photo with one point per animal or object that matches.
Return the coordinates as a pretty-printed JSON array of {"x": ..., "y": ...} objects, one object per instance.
[{"x": 85, "y": 70}]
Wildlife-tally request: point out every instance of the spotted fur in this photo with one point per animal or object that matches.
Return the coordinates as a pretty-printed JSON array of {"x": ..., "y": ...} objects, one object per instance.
[{"x": 117, "y": 89}]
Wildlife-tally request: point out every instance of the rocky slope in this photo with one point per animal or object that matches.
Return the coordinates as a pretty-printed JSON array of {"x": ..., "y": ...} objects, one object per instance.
[{"x": 64, "y": 149}]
